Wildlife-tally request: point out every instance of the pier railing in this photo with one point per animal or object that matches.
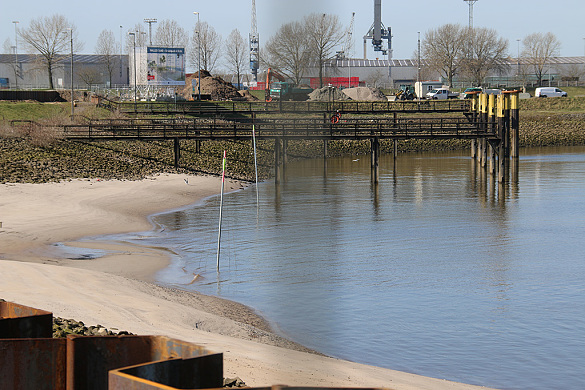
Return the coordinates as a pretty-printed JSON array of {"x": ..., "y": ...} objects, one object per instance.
[
  {"x": 301, "y": 128},
  {"x": 245, "y": 107}
]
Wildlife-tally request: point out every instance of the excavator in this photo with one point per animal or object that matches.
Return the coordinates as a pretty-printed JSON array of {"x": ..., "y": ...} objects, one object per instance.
[{"x": 282, "y": 90}]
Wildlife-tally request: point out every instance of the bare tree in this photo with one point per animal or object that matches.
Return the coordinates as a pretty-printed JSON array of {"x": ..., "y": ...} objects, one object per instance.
[
  {"x": 488, "y": 53},
  {"x": 236, "y": 53},
  {"x": 49, "y": 36},
  {"x": 572, "y": 72},
  {"x": 89, "y": 76},
  {"x": 323, "y": 33},
  {"x": 443, "y": 48},
  {"x": 170, "y": 34},
  {"x": 206, "y": 47},
  {"x": 141, "y": 37},
  {"x": 8, "y": 48},
  {"x": 106, "y": 49},
  {"x": 538, "y": 50},
  {"x": 287, "y": 51}
]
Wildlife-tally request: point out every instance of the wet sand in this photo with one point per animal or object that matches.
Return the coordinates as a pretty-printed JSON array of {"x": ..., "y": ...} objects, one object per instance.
[{"x": 116, "y": 290}]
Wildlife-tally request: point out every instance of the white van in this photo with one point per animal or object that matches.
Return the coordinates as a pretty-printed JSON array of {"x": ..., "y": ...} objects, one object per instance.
[{"x": 549, "y": 92}]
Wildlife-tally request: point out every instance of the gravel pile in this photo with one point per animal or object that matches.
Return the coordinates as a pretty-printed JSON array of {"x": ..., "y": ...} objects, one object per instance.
[
  {"x": 365, "y": 94},
  {"x": 326, "y": 94}
]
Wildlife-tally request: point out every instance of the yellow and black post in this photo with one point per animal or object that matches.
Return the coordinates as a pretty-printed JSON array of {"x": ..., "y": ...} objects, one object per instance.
[{"x": 514, "y": 124}]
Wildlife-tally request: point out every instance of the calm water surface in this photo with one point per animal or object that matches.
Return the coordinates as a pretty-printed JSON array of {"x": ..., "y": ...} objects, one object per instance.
[{"x": 437, "y": 270}]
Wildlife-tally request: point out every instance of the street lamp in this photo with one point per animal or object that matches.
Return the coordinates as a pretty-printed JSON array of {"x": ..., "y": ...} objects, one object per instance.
[
  {"x": 198, "y": 56},
  {"x": 134, "y": 57},
  {"x": 15, "y": 52}
]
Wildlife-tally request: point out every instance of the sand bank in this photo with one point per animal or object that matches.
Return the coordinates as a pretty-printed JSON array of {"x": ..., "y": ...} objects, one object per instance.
[{"x": 113, "y": 290}]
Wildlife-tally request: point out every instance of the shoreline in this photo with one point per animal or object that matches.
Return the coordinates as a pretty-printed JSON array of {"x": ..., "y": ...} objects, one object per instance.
[{"x": 116, "y": 290}]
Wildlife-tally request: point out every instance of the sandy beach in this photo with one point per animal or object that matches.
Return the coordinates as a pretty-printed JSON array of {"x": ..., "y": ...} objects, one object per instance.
[{"x": 116, "y": 290}]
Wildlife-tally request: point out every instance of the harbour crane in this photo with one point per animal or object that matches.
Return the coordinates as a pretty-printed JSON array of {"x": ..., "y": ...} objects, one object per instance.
[{"x": 378, "y": 32}]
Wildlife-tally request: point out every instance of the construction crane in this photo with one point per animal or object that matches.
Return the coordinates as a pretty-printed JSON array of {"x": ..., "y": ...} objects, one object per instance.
[
  {"x": 254, "y": 44},
  {"x": 378, "y": 32},
  {"x": 347, "y": 47}
]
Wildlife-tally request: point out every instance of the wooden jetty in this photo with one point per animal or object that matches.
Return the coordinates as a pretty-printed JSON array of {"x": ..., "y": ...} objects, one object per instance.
[{"x": 490, "y": 122}]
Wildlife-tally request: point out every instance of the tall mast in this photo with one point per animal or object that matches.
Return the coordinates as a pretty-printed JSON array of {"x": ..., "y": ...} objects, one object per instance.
[{"x": 254, "y": 44}]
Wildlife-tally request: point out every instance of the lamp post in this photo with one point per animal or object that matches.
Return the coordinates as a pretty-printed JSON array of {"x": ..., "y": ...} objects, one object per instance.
[
  {"x": 120, "y": 58},
  {"x": 198, "y": 56},
  {"x": 15, "y": 53},
  {"x": 134, "y": 57}
]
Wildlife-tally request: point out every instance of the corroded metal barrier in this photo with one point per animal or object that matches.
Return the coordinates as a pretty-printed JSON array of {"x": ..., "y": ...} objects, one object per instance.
[
  {"x": 102, "y": 362},
  {"x": 18, "y": 321},
  {"x": 31, "y": 359}
]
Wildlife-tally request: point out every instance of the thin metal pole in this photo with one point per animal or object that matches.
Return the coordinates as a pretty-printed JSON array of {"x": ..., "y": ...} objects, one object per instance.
[
  {"x": 220, "y": 210},
  {"x": 255, "y": 164},
  {"x": 72, "y": 105}
]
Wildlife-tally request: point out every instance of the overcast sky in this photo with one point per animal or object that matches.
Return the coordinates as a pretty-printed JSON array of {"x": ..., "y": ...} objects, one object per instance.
[{"x": 514, "y": 19}]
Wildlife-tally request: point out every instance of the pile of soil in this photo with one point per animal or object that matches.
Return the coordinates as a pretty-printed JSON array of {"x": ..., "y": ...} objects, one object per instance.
[
  {"x": 218, "y": 88},
  {"x": 365, "y": 94},
  {"x": 325, "y": 94}
]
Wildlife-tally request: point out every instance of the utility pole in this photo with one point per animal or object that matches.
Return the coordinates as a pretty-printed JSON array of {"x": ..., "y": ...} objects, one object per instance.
[
  {"x": 254, "y": 44},
  {"x": 150, "y": 22}
]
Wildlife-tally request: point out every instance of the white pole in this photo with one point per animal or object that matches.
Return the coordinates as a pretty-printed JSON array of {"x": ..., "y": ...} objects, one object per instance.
[
  {"x": 220, "y": 209},
  {"x": 255, "y": 164}
]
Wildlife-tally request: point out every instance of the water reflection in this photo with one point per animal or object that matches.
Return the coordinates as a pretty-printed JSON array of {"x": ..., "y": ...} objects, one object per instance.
[{"x": 438, "y": 269}]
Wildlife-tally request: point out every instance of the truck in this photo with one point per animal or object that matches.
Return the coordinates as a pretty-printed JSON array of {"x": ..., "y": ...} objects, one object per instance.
[
  {"x": 282, "y": 90},
  {"x": 422, "y": 87},
  {"x": 442, "y": 94}
]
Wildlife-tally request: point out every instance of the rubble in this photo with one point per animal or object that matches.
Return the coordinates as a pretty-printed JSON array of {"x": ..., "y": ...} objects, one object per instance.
[{"x": 326, "y": 93}]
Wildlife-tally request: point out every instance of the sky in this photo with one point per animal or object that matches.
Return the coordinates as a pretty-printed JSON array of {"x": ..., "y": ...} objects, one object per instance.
[{"x": 513, "y": 19}]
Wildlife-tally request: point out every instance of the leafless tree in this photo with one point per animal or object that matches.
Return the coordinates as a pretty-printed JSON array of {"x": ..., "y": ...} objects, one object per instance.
[
  {"x": 106, "y": 49},
  {"x": 443, "y": 48},
  {"x": 205, "y": 47},
  {"x": 488, "y": 53},
  {"x": 170, "y": 34},
  {"x": 50, "y": 37},
  {"x": 236, "y": 53},
  {"x": 287, "y": 51},
  {"x": 141, "y": 37},
  {"x": 538, "y": 50},
  {"x": 572, "y": 72},
  {"x": 89, "y": 76},
  {"x": 8, "y": 48},
  {"x": 323, "y": 34}
]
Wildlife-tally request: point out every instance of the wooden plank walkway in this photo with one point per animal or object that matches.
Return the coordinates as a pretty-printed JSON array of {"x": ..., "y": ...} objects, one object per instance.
[{"x": 288, "y": 128}]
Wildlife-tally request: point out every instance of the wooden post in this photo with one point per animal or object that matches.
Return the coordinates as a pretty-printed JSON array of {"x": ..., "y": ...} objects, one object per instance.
[
  {"x": 375, "y": 152},
  {"x": 198, "y": 146},
  {"x": 492, "y": 159},
  {"x": 514, "y": 125},
  {"x": 483, "y": 116},
  {"x": 177, "y": 148},
  {"x": 395, "y": 149},
  {"x": 502, "y": 162}
]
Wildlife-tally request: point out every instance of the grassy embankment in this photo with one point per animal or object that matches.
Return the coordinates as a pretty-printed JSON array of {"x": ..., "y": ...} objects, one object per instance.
[{"x": 37, "y": 154}]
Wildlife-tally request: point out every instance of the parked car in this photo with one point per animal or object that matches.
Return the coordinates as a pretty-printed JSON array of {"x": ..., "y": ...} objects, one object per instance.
[{"x": 549, "y": 92}]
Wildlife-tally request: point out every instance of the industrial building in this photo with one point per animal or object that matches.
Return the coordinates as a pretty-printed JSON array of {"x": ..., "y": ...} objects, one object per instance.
[{"x": 28, "y": 71}]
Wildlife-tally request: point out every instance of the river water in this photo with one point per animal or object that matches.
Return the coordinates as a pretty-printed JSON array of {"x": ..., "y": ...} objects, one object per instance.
[{"x": 437, "y": 270}]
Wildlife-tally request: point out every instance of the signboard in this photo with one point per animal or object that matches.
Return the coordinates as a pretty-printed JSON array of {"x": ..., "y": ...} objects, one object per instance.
[{"x": 165, "y": 66}]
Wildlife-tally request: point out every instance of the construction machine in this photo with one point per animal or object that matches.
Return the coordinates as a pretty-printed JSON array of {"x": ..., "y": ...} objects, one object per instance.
[{"x": 281, "y": 89}]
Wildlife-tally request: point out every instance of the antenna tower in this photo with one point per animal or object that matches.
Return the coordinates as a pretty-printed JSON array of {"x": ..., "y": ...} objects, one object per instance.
[
  {"x": 470, "y": 3},
  {"x": 254, "y": 44}
]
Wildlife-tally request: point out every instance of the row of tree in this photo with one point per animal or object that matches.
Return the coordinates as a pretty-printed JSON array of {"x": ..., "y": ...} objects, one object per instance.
[
  {"x": 449, "y": 50},
  {"x": 473, "y": 53}
]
